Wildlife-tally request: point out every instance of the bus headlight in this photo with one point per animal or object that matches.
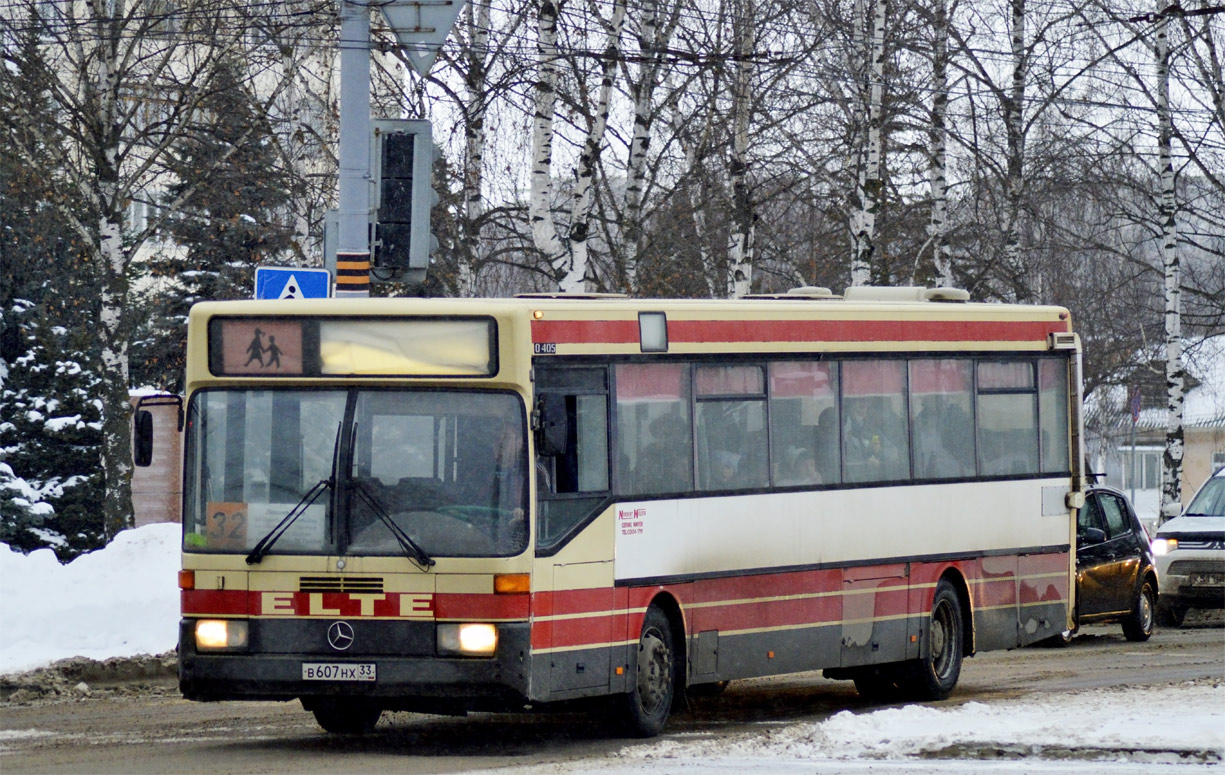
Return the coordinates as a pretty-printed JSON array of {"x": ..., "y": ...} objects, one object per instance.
[
  {"x": 221, "y": 634},
  {"x": 468, "y": 639},
  {"x": 1162, "y": 546}
]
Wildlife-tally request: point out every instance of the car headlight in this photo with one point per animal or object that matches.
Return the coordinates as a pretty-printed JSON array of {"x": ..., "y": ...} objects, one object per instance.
[
  {"x": 1162, "y": 546},
  {"x": 469, "y": 639},
  {"x": 213, "y": 634}
]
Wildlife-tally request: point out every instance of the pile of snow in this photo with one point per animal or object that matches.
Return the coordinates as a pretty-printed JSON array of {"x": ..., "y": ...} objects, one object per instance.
[
  {"x": 1180, "y": 721},
  {"x": 116, "y": 602}
]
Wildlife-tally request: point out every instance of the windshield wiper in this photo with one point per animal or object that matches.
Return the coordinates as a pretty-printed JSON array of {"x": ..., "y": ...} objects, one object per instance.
[
  {"x": 265, "y": 544},
  {"x": 411, "y": 548}
]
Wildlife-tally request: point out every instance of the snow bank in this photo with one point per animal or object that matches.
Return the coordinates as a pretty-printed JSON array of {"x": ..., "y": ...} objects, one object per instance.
[
  {"x": 119, "y": 601},
  {"x": 1103, "y": 725}
]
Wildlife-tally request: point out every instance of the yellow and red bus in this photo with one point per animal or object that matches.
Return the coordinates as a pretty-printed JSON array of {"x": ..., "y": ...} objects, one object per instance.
[{"x": 500, "y": 504}]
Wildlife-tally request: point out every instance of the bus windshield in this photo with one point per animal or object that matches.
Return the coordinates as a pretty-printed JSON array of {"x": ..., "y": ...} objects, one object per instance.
[{"x": 445, "y": 469}]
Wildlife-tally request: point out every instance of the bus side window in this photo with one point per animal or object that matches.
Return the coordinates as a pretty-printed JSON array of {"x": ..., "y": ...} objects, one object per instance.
[
  {"x": 731, "y": 427},
  {"x": 654, "y": 430},
  {"x": 583, "y": 467},
  {"x": 1007, "y": 418},
  {"x": 1053, "y": 414},
  {"x": 875, "y": 438},
  {"x": 942, "y": 424},
  {"x": 804, "y": 423},
  {"x": 572, "y": 481}
]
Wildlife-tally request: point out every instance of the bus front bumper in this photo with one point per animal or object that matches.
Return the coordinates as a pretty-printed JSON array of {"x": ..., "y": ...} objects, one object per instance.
[{"x": 421, "y": 682}]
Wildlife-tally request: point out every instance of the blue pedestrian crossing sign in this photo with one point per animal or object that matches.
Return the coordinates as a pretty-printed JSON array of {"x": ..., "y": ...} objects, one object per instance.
[{"x": 292, "y": 282}]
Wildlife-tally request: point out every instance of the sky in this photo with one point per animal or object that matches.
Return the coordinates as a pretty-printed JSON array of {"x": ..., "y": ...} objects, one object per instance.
[{"x": 123, "y": 601}]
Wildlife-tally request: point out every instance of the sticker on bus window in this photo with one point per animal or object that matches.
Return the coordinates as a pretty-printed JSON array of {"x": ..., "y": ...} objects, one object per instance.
[{"x": 226, "y": 526}]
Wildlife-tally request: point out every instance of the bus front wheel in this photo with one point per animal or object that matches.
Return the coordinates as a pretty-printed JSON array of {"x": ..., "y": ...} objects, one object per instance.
[
  {"x": 649, "y": 701},
  {"x": 933, "y": 676}
]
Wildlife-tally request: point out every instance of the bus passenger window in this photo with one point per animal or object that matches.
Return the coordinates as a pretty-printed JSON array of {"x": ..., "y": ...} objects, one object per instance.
[
  {"x": 731, "y": 427},
  {"x": 1007, "y": 418},
  {"x": 1053, "y": 414},
  {"x": 654, "y": 434},
  {"x": 875, "y": 438},
  {"x": 804, "y": 423},
  {"x": 942, "y": 426}
]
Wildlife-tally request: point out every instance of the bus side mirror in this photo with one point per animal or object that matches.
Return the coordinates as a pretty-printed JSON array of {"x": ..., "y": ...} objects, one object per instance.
[
  {"x": 553, "y": 428},
  {"x": 142, "y": 437}
]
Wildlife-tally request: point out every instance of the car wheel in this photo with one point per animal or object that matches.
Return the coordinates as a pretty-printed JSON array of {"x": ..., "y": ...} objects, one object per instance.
[
  {"x": 347, "y": 718},
  {"x": 933, "y": 677},
  {"x": 655, "y": 679},
  {"x": 1171, "y": 615},
  {"x": 1138, "y": 626}
]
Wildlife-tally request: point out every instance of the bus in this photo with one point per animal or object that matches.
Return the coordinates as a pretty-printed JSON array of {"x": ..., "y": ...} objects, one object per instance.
[{"x": 455, "y": 505}]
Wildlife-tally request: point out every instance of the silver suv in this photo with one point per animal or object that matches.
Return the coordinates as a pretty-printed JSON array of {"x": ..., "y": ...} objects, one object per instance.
[{"x": 1190, "y": 552}]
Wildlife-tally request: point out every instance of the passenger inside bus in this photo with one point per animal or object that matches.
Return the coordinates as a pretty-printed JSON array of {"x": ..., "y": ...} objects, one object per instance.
[
  {"x": 872, "y": 450},
  {"x": 801, "y": 468},
  {"x": 724, "y": 470},
  {"x": 663, "y": 465}
]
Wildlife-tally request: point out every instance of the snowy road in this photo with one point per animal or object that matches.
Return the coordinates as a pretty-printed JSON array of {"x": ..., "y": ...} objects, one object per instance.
[{"x": 1100, "y": 705}]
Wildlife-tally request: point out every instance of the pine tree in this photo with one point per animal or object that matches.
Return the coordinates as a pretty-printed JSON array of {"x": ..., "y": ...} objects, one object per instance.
[
  {"x": 50, "y": 438},
  {"x": 49, "y": 391},
  {"x": 235, "y": 223}
]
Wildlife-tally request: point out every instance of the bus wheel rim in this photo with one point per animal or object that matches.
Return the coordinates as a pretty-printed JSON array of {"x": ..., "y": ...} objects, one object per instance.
[
  {"x": 654, "y": 675},
  {"x": 941, "y": 637}
]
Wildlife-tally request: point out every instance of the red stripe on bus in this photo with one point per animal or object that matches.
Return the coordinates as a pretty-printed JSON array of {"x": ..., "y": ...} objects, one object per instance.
[
  {"x": 732, "y": 331},
  {"x": 216, "y": 602},
  {"x": 586, "y": 331},
  {"x": 860, "y": 330},
  {"x": 479, "y": 606}
]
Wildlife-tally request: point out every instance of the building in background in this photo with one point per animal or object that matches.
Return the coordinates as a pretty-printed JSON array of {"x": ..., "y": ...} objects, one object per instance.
[{"x": 1203, "y": 428}]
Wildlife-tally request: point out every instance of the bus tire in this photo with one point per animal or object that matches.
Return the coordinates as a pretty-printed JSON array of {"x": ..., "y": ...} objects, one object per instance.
[
  {"x": 649, "y": 701},
  {"x": 347, "y": 717},
  {"x": 932, "y": 677}
]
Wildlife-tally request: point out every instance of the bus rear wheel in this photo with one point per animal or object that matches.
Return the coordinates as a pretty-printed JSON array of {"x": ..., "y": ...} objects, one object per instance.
[
  {"x": 653, "y": 691},
  {"x": 933, "y": 676},
  {"x": 346, "y": 717}
]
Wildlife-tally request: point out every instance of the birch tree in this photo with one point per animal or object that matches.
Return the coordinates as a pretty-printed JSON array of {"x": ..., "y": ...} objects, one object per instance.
[
  {"x": 654, "y": 29},
  {"x": 1175, "y": 375},
  {"x": 938, "y": 227},
  {"x": 870, "y": 190},
  {"x": 568, "y": 255}
]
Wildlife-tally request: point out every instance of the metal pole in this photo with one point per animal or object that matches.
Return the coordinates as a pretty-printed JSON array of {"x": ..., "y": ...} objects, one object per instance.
[
  {"x": 1133, "y": 461},
  {"x": 353, "y": 243}
]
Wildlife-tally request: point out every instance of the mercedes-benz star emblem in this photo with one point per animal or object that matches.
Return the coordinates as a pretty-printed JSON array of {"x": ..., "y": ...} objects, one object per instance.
[{"x": 340, "y": 635}]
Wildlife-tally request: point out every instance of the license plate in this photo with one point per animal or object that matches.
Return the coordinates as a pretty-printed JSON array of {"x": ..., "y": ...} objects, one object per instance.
[
  {"x": 1208, "y": 579},
  {"x": 338, "y": 671}
]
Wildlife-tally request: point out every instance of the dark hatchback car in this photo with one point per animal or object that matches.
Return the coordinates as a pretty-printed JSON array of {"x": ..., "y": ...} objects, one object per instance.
[{"x": 1116, "y": 577}]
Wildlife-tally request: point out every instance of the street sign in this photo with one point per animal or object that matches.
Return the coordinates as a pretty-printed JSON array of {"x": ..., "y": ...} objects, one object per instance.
[
  {"x": 292, "y": 282},
  {"x": 421, "y": 27}
]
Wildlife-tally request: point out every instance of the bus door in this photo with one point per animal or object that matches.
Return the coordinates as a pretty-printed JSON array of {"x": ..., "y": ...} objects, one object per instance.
[
  {"x": 875, "y": 622},
  {"x": 582, "y": 631},
  {"x": 573, "y": 549}
]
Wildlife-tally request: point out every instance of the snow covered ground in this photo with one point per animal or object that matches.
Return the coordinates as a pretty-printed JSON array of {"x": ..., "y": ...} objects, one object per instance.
[{"x": 123, "y": 601}]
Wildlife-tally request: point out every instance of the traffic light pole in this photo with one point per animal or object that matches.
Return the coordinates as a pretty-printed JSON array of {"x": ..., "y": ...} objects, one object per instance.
[{"x": 353, "y": 238}]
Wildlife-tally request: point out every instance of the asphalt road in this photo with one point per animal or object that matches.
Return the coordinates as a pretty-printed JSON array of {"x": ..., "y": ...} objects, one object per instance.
[{"x": 156, "y": 731}]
